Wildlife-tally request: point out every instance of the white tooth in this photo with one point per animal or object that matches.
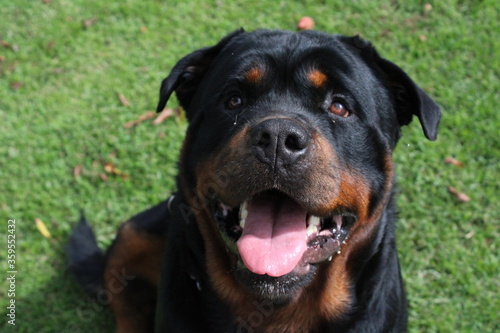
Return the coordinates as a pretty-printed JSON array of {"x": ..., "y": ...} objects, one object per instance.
[
  {"x": 343, "y": 242},
  {"x": 313, "y": 220},
  {"x": 311, "y": 229},
  {"x": 338, "y": 220},
  {"x": 330, "y": 258},
  {"x": 243, "y": 213},
  {"x": 339, "y": 252},
  {"x": 244, "y": 210}
]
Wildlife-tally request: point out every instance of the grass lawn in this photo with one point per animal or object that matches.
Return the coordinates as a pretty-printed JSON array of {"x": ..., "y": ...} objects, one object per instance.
[{"x": 64, "y": 65}]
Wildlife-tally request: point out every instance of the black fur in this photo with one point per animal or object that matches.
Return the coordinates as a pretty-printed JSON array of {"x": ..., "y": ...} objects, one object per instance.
[{"x": 85, "y": 258}]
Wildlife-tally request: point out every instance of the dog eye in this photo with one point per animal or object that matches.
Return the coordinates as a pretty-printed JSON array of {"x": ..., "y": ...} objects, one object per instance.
[
  {"x": 339, "y": 109},
  {"x": 234, "y": 102}
]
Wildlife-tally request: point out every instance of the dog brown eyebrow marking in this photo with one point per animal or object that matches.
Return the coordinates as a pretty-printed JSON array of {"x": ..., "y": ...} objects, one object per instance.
[
  {"x": 254, "y": 75},
  {"x": 317, "y": 78}
]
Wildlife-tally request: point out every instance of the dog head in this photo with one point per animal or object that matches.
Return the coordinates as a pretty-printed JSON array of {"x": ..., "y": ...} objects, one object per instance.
[{"x": 287, "y": 158}]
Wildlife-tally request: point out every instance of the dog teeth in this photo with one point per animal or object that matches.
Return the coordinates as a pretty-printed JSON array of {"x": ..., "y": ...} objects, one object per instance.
[
  {"x": 313, "y": 223},
  {"x": 244, "y": 210},
  {"x": 313, "y": 220},
  {"x": 338, "y": 221},
  {"x": 311, "y": 229},
  {"x": 243, "y": 213}
]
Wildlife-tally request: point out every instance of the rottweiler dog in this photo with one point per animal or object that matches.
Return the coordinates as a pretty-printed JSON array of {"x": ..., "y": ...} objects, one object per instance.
[{"x": 283, "y": 219}]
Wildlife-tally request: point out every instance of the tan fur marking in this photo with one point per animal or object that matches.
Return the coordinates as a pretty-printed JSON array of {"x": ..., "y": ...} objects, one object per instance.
[
  {"x": 317, "y": 78},
  {"x": 138, "y": 255},
  {"x": 254, "y": 75}
]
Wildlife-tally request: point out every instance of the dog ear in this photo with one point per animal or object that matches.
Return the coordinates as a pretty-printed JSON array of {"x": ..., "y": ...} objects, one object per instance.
[
  {"x": 188, "y": 73},
  {"x": 411, "y": 100}
]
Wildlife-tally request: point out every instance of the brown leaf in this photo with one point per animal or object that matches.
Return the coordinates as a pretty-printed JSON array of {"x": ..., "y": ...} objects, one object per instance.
[
  {"x": 453, "y": 161},
  {"x": 77, "y": 171},
  {"x": 2, "y": 58},
  {"x": 144, "y": 29},
  {"x": 423, "y": 38},
  {"x": 110, "y": 168},
  {"x": 130, "y": 124},
  {"x": 146, "y": 116},
  {"x": 88, "y": 23},
  {"x": 8, "y": 45},
  {"x": 427, "y": 8},
  {"x": 103, "y": 177},
  {"x": 305, "y": 23},
  {"x": 123, "y": 100},
  {"x": 50, "y": 45},
  {"x": 461, "y": 197},
  {"x": 16, "y": 85},
  {"x": 143, "y": 117},
  {"x": 166, "y": 113},
  {"x": 46, "y": 1}
]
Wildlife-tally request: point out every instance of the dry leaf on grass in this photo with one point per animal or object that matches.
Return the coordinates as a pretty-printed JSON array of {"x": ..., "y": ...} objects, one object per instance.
[
  {"x": 42, "y": 228},
  {"x": 427, "y": 8},
  {"x": 166, "y": 113},
  {"x": 16, "y": 85},
  {"x": 8, "y": 45},
  {"x": 143, "y": 117},
  {"x": 77, "y": 171},
  {"x": 461, "y": 197},
  {"x": 453, "y": 161},
  {"x": 305, "y": 23},
  {"x": 51, "y": 45},
  {"x": 110, "y": 168},
  {"x": 123, "y": 100},
  {"x": 88, "y": 23}
]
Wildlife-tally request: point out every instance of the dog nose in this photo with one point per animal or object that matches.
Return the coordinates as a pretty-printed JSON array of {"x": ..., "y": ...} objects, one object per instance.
[{"x": 279, "y": 142}]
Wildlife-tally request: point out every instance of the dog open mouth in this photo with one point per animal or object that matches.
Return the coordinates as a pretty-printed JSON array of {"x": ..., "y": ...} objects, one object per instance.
[{"x": 274, "y": 235}]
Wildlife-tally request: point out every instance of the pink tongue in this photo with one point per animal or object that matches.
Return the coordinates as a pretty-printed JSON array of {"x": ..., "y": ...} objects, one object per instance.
[{"x": 274, "y": 236}]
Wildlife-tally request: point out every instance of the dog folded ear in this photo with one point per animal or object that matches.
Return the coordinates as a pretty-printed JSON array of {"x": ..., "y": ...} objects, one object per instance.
[
  {"x": 411, "y": 100},
  {"x": 188, "y": 73}
]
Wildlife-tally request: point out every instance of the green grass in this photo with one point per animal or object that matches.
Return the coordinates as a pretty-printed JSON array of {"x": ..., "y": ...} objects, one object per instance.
[{"x": 66, "y": 113}]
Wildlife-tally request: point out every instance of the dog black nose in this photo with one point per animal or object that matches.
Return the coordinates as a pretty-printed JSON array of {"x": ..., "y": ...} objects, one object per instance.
[{"x": 279, "y": 142}]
